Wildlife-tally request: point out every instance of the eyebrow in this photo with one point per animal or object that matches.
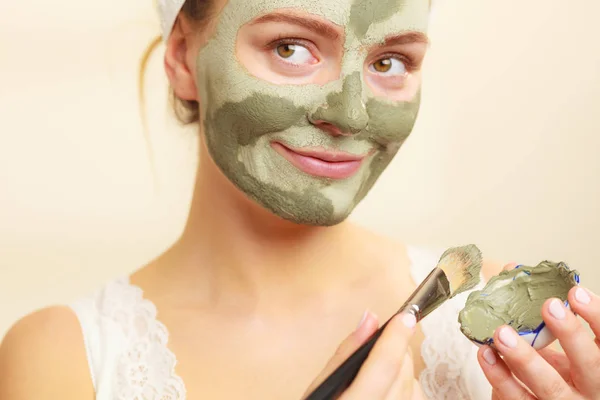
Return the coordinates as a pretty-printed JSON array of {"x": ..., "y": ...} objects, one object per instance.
[
  {"x": 405, "y": 38},
  {"x": 311, "y": 24}
]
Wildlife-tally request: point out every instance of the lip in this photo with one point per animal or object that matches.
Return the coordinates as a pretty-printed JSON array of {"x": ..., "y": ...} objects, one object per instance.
[{"x": 321, "y": 163}]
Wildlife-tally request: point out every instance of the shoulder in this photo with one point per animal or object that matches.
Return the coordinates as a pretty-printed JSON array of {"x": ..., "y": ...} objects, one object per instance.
[
  {"x": 420, "y": 259},
  {"x": 387, "y": 256},
  {"x": 424, "y": 259},
  {"x": 377, "y": 245},
  {"x": 43, "y": 355}
]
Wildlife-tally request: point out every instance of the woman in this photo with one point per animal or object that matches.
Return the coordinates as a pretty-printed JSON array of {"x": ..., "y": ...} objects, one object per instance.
[{"x": 301, "y": 105}]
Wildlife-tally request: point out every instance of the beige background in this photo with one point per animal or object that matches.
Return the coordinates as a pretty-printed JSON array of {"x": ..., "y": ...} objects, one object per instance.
[{"x": 505, "y": 153}]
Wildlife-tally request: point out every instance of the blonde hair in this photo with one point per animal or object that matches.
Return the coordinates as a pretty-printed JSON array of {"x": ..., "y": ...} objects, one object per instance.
[{"x": 186, "y": 111}]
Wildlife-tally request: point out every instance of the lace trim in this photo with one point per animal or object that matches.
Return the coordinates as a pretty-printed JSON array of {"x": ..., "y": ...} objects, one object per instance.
[
  {"x": 146, "y": 369},
  {"x": 445, "y": 354}
]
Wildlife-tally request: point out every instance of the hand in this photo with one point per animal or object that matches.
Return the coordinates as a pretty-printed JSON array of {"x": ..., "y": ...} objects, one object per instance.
[
  {"x": 549, "y": 374},
  {"x": 387, "y": 373}
]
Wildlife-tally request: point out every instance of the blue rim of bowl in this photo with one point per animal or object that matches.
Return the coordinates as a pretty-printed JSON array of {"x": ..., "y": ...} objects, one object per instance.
[{"x": 540, "y": 327}]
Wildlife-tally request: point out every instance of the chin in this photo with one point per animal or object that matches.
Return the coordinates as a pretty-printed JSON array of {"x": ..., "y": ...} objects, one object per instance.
[
  {"x": 316, "y": 219},
  {"x": 307, "y": 210},
  {"x": 307, "y": 207}
]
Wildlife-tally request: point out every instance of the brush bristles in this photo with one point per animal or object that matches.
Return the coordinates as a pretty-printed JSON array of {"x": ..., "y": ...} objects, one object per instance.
[{"x": 462, "y": 266}]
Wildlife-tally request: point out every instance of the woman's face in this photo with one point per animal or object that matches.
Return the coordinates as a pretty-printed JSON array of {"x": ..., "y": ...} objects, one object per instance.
[{"x": 305, "y": 102}]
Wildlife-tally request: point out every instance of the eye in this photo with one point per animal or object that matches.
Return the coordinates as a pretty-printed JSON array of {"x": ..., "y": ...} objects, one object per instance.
[
  {"x": 294, "y": 54},
  {"x": 388, "y": 66}
]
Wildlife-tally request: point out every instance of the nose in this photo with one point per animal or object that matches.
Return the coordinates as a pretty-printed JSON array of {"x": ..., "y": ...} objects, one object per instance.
[{"x": 344, "y": 113}]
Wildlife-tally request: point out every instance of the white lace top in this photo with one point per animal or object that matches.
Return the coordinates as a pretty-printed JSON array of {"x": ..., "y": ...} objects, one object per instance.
[{"x": 129, "y": 360}]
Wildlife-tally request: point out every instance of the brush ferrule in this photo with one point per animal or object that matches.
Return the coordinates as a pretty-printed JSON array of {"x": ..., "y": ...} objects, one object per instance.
[{"x": 430, "y": 294}]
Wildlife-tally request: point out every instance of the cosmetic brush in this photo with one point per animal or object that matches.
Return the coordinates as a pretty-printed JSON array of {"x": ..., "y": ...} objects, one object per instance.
[{"x": 457, "y": 271}]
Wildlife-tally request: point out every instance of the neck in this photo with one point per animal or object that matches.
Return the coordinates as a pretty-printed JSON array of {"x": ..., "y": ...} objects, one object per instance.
[{"x": 232, "y": 247}]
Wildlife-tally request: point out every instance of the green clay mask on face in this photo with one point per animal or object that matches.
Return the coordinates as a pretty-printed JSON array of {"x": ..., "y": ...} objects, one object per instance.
[
  {"x": 244, "y": 115},
  {"x": 515, "y": 298}
]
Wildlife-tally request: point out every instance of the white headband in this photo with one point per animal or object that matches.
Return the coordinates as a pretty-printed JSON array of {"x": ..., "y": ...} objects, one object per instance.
[{"x": 168, "y": 10}]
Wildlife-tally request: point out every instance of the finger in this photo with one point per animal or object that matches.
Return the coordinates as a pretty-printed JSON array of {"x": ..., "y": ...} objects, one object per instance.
[
  {"x": 558, "y": 361},
  {"x": 384, "y": 362},
  {"x": 366, "y": 327},
  {"x": 579, "y": 346},
  {"x": 510, "y": 266},
  {"x": 417, "y": 391},
  {"x": 496, "y": 396},
  {"x": 403, "y": 386},
  {"x": 529, "y": 367},
  {"x": 587, "y": 305},
  {"x": 504, "y": 384}
]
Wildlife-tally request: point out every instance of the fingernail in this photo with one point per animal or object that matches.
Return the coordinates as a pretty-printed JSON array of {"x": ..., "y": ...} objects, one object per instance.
[
  {"x": 557, "y": 310},
  {"x": 489, "y": 356},
  {"x": 363, "y": 319},
  {"x": 508, "y": 337},
  {"x": 582, "y": 296},
  {"x": 409, "y": 320}
]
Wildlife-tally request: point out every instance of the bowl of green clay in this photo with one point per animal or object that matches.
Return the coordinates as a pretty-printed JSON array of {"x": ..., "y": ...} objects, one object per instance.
[{"x": 515, "y": 298}]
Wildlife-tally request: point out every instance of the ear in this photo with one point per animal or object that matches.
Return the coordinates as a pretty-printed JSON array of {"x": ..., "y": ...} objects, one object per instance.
[{"x": 178, "y": 63}]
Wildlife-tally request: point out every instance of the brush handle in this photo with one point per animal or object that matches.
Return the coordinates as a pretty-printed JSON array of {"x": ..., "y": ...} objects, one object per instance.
[{"x": 432, "y": 292}]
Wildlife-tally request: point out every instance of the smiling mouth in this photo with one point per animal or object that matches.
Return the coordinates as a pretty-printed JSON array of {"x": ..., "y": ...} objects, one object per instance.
[{"x": 321, "y": 163}]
